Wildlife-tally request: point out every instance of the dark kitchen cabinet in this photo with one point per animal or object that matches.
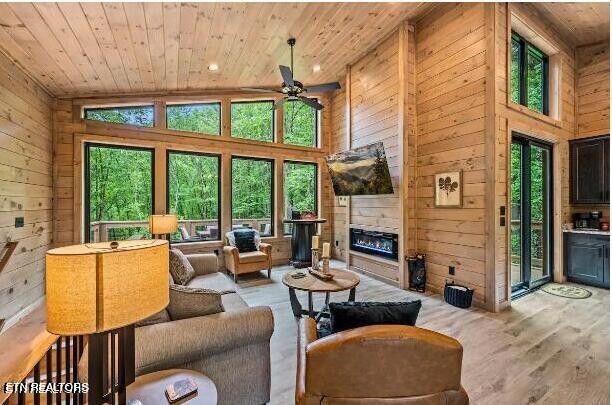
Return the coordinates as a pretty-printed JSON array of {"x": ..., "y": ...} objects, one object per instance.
[
  {"x": 587, "y": 258},
  {"x": 590, "y": 170}
]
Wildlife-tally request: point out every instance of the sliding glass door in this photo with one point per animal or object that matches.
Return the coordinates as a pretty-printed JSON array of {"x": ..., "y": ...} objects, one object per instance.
[{"x": 531, "y": 214}]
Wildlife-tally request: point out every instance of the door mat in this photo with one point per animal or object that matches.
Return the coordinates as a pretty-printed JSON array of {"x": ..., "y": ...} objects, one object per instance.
[{"x": 567, "y": 291}]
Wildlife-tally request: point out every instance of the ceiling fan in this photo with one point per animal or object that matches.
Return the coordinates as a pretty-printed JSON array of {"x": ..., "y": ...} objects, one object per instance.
[{"x": 292, "y": 89}]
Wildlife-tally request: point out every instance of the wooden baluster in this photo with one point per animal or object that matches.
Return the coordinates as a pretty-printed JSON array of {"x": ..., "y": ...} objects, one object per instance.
[
  {"x": 112, "y": 367},
  {"x": 75, "y": 366},
  {"x": 80, "y": 351},
  {"x": 37, "y": 381},
  {"x": 49, "y": 370},
  {"x": 21, "y": 398},
  {"x": 67, "y": 366},
  {"x": 58, "y": 368}
]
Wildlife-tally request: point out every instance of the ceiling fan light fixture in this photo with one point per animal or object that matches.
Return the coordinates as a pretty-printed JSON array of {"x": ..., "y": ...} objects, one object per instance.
[{"x": 213, "y": 67}]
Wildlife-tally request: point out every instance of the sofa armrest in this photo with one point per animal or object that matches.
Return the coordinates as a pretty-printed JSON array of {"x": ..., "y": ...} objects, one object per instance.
[
  {"x": 203, "y": 263},
  {"x": 171, "y": 344}
]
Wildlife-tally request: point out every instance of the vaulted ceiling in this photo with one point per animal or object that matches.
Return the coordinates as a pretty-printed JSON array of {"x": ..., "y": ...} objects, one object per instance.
[
  {"x": 118, "y": 48},
  {"x": 90, "y": 48}
]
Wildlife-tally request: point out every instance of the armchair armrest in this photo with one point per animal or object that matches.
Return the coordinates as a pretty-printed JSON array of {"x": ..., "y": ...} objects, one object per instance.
[
  {"x": 231, "y": 257},
  {"x": 307, "y": 333},
  {"x": 266, "y": 248},
  {"x": 172, "y": 344},
  {"x": 203, "y": 263}
]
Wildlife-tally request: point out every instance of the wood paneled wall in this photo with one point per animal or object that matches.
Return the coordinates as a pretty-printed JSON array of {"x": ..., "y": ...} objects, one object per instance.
[
  {"x": 593, "y": 90},
  {"x": 450, "y": 98},
  {"x": 72, "y": 132},
  {"x": 26, "y": 188}
]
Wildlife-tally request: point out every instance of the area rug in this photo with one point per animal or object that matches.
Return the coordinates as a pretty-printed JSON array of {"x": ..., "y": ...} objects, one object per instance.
[{"x": 567, "y": 291}]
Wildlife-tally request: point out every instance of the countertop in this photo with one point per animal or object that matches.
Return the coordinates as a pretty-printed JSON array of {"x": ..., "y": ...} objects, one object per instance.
[{"x": 589, "y": 231}]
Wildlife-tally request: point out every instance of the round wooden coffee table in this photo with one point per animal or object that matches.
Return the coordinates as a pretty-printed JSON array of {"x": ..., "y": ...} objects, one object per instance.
[
  {"x": 151, "y": 388},
  {"x": 343, "y": 280}
]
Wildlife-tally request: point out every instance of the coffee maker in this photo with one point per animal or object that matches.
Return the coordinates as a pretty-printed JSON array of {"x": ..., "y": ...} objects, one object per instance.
[{"x": 587, "y": 220}]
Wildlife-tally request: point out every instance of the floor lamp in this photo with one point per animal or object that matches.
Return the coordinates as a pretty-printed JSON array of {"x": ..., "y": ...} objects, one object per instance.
[
  {"x": 163, "y": 224},
  {"x": 101, "y": 290}
]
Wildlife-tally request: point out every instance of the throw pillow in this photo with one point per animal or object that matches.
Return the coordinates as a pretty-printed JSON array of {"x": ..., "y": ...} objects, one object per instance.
[
  {"x": 350, "y": 315},
  {"x": 180, "y": 269},
  {"x": 187, "y": 302},
  {"x": 245, "y": 240},
  {"x": 159, "y": 317}
]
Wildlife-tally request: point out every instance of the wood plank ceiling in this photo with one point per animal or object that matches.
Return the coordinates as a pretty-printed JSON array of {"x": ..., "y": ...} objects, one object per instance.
[
  {"x": 586, "y": 23},
  {"x": 113, "y": 48}
]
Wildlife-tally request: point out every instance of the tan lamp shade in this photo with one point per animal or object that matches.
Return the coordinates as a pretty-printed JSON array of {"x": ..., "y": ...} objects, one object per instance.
[
  {"x": 94, "y": 288},
  {"x": 163, "y": 224}
]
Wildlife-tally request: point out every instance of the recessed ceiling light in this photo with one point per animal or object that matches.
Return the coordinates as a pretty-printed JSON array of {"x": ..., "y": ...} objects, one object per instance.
[
  {"x": 213, "y": 66},
  {"x": 316, "y": 68}
]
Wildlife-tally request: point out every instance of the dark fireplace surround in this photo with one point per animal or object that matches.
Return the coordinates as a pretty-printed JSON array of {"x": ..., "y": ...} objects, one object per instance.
[{"x": 381, "y": 244}]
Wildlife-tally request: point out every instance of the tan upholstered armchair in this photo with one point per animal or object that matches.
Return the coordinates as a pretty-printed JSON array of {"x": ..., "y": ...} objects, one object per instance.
[
  {"x": 381, "y": 364},
  {"x": 247, "y": 262}
]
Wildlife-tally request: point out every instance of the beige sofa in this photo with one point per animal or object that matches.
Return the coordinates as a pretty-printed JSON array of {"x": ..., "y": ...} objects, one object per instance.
[
  {"x": 378, "y": 365},
  {"x": 232, "y": 348},
  {"x": 248, "y": 262}
]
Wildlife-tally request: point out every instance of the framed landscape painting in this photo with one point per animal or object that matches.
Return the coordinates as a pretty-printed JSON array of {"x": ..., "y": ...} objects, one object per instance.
[{"x": 448, "y": 190}]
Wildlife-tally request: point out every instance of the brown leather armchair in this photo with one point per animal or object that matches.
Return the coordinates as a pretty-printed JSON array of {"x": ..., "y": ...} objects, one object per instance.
[
  {"x": 376, "y": 365},
  {"x": 247, "y": 262}
]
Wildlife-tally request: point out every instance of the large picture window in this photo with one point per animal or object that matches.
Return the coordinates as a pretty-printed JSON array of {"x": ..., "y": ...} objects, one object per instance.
[
  {"x": 118, "y": 192},
  {"x": 253, "y": 194},
  {"x": 253, "y": 120},
  {"x": 193, "y": 195},
  {"x": 141, "y": 115},
  {"x": 300, "y": 189},
  {"x": 204, "y": 118},
  {"x": 300, "y": 124},
  {"x": 529, "y": 75}
]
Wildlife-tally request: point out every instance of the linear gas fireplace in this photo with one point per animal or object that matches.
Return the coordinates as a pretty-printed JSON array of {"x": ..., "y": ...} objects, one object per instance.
[{"x": 374, "y": 243}]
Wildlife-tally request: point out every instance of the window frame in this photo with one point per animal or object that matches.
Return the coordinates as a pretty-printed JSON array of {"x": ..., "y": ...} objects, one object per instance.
[
  {"x": 219, "y": 198},
  {"x": 121, "y": 107},
  {"x": 87, "y": 180},
  {"x": 525, "y": 47},
  {"x": 273, "y": 111},
  {"x": 272, "y": 191},
  {"x": 316, "y": 200},
  {"x": 198, "y": 103},
  {"x": 316, "y": 126}
]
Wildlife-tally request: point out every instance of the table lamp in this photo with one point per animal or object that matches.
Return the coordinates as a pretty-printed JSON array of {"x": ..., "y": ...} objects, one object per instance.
[
  {"x": 163, "y": 224},
  {"x": 101, "y": 290}
]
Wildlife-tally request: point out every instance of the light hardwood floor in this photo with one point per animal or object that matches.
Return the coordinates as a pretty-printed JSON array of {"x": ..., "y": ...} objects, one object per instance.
[{"x": 545, "y": 350}]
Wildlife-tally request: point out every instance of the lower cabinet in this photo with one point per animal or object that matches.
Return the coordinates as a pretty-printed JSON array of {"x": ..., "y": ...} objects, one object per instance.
[{"x": 587, "y": 259}]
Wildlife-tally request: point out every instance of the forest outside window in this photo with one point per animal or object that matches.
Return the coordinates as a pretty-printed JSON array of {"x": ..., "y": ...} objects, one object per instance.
[
  {"x": 253, "y": 120},
  {"x": 140, "y": 115},
  {"x": 300, "y": 189},
  {"x": 118, "y": 192},
  {"x": 253, "y": 194},
  {"x": 529, "y": 75},
  {"x": 300, "y": 124},
  {"x": 204, "y": 118},
  {"x": 193, "y": 195}
]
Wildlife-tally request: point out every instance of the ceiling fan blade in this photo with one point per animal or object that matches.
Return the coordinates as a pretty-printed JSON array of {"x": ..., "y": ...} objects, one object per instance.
[
  {"x": 287, "y": 75},
  {"x": 310, "y": 102},
  {"x": 280, "y": 102},
  {"x": 320, "y": 88},
  {"x": 259, "y": 90}
]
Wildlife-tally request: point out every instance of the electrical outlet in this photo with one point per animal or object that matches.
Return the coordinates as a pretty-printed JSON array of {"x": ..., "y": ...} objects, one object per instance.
[
  {"x": 18, "y": 222},
  {"x": 451, "y": 270},
  {"x": 216, "y": 252},
  {"x": 337, "y": 243}
]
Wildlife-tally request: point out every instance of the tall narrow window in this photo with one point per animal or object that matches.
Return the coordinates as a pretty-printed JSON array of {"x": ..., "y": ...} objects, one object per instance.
[
  {"x": 204, "y": 118},
  {"x": 300, "y": 124},
  {"x": 118, "y": 192},
  {"x": 300, "y": 189},
  {"x": 253, "y": 194},
  {"x": 141, "y": 115},
  {"x": 253, "y": 120},
  {"x": 193, "y": 195},
  {"x": 529, "y": 75}
]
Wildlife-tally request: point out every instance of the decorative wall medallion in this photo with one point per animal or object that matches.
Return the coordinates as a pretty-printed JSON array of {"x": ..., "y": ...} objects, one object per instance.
[{"x": 448, "y": 189}]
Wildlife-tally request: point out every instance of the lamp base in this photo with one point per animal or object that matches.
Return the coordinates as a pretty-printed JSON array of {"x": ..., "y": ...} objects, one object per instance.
[{"x": 107, "y": 382}]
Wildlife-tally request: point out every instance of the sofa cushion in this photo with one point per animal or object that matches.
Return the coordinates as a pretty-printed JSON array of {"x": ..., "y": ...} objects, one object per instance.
[
  {"x": 252, "y": 257},
  {"x": 180, "y": 268},
  {"x": 232, "y": 241},
  {"x": 350, "y": 315},
  {"x": 233, "y": 302},
  {"x": 187, "y": 302},
  {"x": 214, "y": 281},
  {"x": 245, "y": 240}
]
